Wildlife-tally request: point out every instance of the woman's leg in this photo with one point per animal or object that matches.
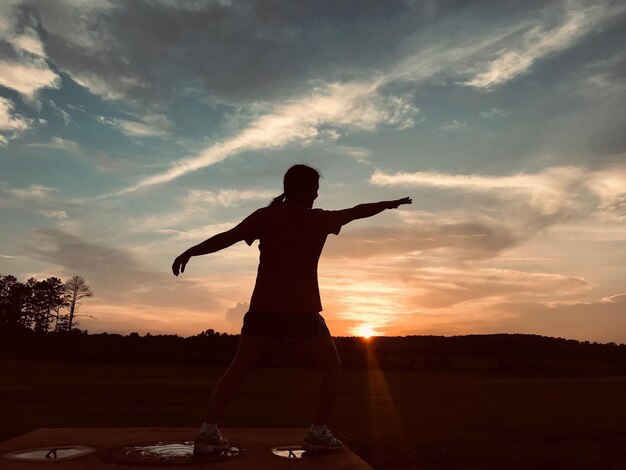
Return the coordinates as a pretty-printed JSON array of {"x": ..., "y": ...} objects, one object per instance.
[
  {"x": 323, "y": 351},
  {"x": 248, "y": 354}
]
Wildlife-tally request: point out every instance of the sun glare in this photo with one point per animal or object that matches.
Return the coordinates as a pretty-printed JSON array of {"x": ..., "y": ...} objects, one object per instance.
[{"x": 365, "y": 331}]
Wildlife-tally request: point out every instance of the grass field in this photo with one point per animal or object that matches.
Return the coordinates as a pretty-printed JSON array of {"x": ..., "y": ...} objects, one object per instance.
[{"x": 393, "y": 419}]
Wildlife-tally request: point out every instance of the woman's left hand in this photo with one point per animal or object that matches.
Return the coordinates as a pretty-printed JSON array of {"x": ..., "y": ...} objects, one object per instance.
[{"x": 398, "y": 202}]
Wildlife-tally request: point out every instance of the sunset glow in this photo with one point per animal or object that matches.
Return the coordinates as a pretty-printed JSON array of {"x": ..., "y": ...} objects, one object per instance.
[
  {"x": 365, "y": 331},
  {"x": 123, "y": 146}
]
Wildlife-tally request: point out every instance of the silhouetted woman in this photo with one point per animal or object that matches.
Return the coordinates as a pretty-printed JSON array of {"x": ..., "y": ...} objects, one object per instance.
[{"x": 285, "y": 304}]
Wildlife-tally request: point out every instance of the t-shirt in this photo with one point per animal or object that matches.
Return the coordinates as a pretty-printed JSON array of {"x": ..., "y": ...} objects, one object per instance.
[{"x": 291, "y": 241}]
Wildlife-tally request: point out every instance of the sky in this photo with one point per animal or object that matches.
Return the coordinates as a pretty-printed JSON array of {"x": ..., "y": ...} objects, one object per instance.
[{"x": 130, "y": 131}]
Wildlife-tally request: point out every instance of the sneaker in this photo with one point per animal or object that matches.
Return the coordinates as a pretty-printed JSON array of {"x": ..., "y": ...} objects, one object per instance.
[
  {"x": 325, "y": 441},
  {"x": 206, "y": 444}
]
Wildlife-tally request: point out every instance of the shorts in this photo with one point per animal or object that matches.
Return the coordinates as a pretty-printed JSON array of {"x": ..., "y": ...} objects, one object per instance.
[{"x": 284, "y": 326}]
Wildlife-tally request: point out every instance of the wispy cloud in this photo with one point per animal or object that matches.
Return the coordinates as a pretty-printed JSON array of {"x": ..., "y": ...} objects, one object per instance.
[
  {"x": 355, "y": 105},
  {"x": 151, "y": 125},
  {"x": 225, "y": 197},
  {"x": 443, "y": 241},
  {"x": 11, "y": 124},
  {"x": 494, "y": 56},
  {"x": 39, "y": 199},
  {"x": 100, "y": 160},
  {"x": 610, "y": 187},
  {"x": 547, "y": 190},
  {"x": 540, "y": 41},
  {"x": 494, "y": 113},
  {"x": 199, "y": 204}
]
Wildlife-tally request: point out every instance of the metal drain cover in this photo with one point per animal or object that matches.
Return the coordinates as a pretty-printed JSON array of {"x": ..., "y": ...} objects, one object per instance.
[
  {"x": 49, "y": 454},
  {"x": 165, "y": 453},
  {"x": 291, "y": 452}
]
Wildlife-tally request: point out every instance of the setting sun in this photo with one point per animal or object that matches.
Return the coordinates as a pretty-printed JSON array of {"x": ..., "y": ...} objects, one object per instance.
[{"x": 365, "y": 331}]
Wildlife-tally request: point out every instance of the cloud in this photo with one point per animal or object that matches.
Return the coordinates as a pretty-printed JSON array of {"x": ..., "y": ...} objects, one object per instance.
[
  {"x": 116, "y": 272},
  {"x": 97, "y": 261},
  {"x": 225, "y": 197},
  {"x": 446, "y": 240},
  {"x": 493, "y": 54},
  {"x": 610, "y": 187},
  {"x": 40, "y": 199},
  {"x": 454, "y": 126},
  {"x": 100, "y": 160},
  {"x": 355, "y": 105},
  {"x": 199, "y": 204},
  {"x": 390, "y": 294},
  {"x": 548, "y": 191},
  {"x": 444, "y": 287},
  {"x": 584, "y": 321},
  {"x": 54, "y": 214},
  {"x": 499, "y": 213},
  {"x": 235, "y": 314},
  {"x": 358, "y": 154},
  {"x": 615, "y": 299},
  {"x": 27, "y": 77},
  {"x": 195, "y": 233},
  {"x": 602, "y": 320},
  {"x": 603, "y": 78},
  {"x": 24, "y": 67},
  {"x": 495, "y": 113},
  {"x": 119, "y": 50},
  {"x": 8, "y": 120},
  {"x": 11, "y": 124},
  {"x": 540, "y": 41},
  {"x": 29, "y": 42},
  {"x": 151, "y": 125},
  {"x": 74, "y": 24}
]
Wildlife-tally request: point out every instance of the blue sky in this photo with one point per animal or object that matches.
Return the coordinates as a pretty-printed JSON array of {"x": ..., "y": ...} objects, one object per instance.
[{"x": 132, "y": 130}]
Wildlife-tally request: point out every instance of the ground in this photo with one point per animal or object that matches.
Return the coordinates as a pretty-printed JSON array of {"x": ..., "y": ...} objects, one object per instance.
[{"x": 393, "y": 419}]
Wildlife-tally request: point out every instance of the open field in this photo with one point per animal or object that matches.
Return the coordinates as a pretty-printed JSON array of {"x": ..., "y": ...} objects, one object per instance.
[{"x": 393, "y": 419}]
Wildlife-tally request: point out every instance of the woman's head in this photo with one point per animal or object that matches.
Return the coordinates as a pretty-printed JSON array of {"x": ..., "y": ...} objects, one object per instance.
[{"x": 300, "y": 184}]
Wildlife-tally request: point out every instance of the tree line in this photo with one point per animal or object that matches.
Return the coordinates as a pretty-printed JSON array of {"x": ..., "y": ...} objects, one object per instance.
[
  {"x": 44, "y": 306},
  {"x": 495, "y": 353}
]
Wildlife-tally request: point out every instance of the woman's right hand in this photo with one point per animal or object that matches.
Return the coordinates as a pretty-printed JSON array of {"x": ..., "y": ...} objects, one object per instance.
[{"x": 179, "y": 263}]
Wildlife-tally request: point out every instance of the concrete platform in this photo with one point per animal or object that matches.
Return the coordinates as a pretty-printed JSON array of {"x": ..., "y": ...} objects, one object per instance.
[{"x": 257, "y": 441}]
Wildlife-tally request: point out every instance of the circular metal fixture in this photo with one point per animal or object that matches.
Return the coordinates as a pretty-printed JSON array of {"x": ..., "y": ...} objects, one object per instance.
[
  {"x": 164, "y": 453},
  {"x": 49, "y": 454},
  {"x": 291, "y": 452}
]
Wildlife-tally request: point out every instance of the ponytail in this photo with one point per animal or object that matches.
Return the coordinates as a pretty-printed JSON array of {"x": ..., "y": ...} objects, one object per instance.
[{"x": 277, "y": 200}]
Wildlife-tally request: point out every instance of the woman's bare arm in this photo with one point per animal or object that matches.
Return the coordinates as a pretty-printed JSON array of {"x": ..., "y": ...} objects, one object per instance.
[
  {"x": 368, "y": 210},
  {"x": 215, "y": 243}
]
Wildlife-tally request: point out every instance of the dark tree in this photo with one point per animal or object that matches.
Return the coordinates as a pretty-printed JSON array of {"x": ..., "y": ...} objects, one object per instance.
[
  {"x": 76, "y": 289},
  {"x": 11, "y": 300},
  {"x": 52, "y": 299},
  {"x": 30, "y": 308}
]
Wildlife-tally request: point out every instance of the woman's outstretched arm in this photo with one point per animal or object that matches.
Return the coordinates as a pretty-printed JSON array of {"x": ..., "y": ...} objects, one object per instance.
[
  {"x": 368, "y": 210},
  {"x": 215, "y": 243}
]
